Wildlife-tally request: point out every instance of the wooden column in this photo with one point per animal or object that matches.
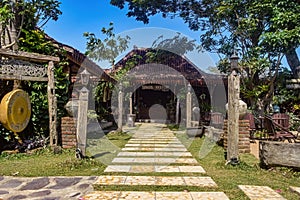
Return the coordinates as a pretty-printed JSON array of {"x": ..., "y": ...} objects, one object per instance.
[
  {"x": 233, "y": 113},
  {"x": 82, "y": 120},
  {"x": 120, "y": 108},
  {"x": 188, "y": 107},
  {"x": 177, "y": 110},
  {"x": 130, "y": 103},
  {"x": 52, "y": 105}
]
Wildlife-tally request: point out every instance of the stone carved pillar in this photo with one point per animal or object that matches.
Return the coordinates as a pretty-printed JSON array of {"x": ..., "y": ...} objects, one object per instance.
[
  {"x": 82, "y": 120},
  {"x": 189, "y": 107}
]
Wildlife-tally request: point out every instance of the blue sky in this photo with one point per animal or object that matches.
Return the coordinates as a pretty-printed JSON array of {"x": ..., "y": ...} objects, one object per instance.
[{"x": 92, "y": 15}]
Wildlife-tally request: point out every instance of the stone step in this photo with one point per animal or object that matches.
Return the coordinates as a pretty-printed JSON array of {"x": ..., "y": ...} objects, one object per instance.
[
  {"x": 155, "y": 160},
  {"x": 260, "y": 192},
  {"x": 153, "y": 142},
  {"x": 198, "y": 181},
  {"x": 154, "y": 168},
  {"x": 156, "y": 149},
  {"x": 130, "y": 195},
  {"x": 154, "y": 154},
  {"x": 155, "y": 145}
]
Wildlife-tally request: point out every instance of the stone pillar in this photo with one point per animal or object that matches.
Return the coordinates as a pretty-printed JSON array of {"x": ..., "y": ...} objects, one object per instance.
[
  {"x": 82, "y": 120},
  {"x": 120, "y": 108},
  {"x": 188, "y": 107}
]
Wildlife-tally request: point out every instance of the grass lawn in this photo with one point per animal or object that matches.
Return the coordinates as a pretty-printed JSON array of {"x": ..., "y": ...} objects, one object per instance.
[
  {"x": 247, "y": 173},
  {"x": 210, "y": 156}
]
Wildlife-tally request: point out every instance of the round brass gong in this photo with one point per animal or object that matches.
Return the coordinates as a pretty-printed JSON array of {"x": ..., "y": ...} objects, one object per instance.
[{"x": 15, "y": 110}]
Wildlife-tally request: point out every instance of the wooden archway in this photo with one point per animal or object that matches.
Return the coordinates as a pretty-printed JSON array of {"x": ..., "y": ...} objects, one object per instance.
[{"x": 24, "y": 66}]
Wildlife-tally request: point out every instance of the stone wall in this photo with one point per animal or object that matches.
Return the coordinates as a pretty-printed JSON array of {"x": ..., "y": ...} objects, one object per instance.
[
  {"x": 68, "y": 132},
  {"x": 244, "y": 136}
]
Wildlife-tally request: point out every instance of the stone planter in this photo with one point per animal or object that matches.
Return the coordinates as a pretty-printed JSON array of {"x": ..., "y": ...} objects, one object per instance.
[
  {"x": 195, "y": 131},
  {"x": 131, "y": 120}
]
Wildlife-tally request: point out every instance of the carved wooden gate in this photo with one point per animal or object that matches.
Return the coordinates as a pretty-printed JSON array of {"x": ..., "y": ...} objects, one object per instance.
[{"x": 25, "y": 66}]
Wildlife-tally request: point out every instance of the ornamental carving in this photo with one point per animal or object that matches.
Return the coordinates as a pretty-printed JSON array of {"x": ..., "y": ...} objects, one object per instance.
[{"x": 22, "y": 68}]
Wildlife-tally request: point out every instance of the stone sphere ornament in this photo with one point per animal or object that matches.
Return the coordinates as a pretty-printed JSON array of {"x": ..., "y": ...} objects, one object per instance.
[{"x": 242, "y": 109}]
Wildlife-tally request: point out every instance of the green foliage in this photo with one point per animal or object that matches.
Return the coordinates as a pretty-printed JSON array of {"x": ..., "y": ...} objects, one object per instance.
[
  {"x": 261, "y": 31},
  {"x": 107, "y": 49}
]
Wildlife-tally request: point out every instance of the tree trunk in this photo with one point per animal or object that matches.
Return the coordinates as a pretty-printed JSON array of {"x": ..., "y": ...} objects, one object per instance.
[{"x": 293, "y": 61}]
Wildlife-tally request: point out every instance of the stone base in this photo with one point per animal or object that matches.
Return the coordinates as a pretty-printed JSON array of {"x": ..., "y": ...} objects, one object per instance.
[
  {"x": 244, "y": 136},
  {"x": 68, "y": 132}
]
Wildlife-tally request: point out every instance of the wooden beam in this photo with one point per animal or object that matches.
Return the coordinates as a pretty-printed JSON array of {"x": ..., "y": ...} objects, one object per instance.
[
  {"x": 35, "y": 57},
  {"x": 23, "y": 78}
]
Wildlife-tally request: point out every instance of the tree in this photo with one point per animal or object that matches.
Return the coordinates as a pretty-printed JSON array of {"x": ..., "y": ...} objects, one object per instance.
[
  {"x": 107, "y": 49},
  {"x": 19, "y": 15},
  {"x": 262, "y": 32}
]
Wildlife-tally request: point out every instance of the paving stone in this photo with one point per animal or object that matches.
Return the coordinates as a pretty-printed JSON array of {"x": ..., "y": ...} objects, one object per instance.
[
  {"x": 173, "y": 196},
  {"x": 102, "y": 195},
  {"x": 62, "y": 183},
  {"x": 17, "y": 197},
  {"x": 164, "y": 180},
  {"x": 117, "y": 168},
  {"x": 137, "y": 196},
  {"x": 167, "y": 169},
  {"x": 111, "y": 180},
  {"x": 192, "y": 169},
  {"x": 36, "y": 184},
  {"x": 83, "y": 186},
  {"x": 140, "y": 180},
  {"x": 142, "y": 168},
  {"x": 3, "y": 192},
  {"x": 154, "y": 149},
  {"x": 42, "y": 193},
  {"x": 295, "y": 189},
  {"x": 156, "y": 145},
  {"x": 260, "y": 192},
  {"x": 199, "y": 181},
  {"x": 11, "y": 184},
  {"x": 209, "y": 195}
]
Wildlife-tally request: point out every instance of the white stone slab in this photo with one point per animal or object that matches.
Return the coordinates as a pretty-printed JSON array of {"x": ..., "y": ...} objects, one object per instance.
[{"x": 260, "y": 192}]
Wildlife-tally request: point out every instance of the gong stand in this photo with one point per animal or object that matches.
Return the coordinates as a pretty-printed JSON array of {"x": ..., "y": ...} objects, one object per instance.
[{"x": 24, "y": 66}]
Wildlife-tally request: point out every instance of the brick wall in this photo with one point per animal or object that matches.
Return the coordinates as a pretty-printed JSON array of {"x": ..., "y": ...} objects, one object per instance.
[
  {"x": 244, "y": 136},
  {"x": 68, "y": 132}
]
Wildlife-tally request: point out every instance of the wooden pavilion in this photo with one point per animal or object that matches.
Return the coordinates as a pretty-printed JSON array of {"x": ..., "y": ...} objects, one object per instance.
[{"x": 161, "y": 77}]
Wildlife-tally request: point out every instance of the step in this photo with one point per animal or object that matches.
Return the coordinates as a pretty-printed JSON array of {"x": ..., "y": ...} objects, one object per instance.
[
  {"x": 155, "y": 145},
  {"x": 167, "y": 149},
  {"x": 155, "y": 160},
  {"x": 154, "y": 154},
  {"x": 130, "y": 195},
  {"x": 260, "y": 192},
  {"x": 198, "y": 181},
  {"x": 153, "y": 168}
]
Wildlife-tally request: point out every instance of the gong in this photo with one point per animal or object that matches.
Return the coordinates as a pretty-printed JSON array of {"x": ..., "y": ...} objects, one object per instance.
[{"x": 15, "y": 110}]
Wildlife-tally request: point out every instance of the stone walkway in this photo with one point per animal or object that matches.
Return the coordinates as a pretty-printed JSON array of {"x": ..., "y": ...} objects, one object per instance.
[
  {"x": 154, "y": 149},
  {"x": 44, "y": 188}
]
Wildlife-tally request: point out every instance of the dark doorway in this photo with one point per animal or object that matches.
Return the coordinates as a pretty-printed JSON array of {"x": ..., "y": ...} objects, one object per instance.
[{"x": 155, "y": 101}]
